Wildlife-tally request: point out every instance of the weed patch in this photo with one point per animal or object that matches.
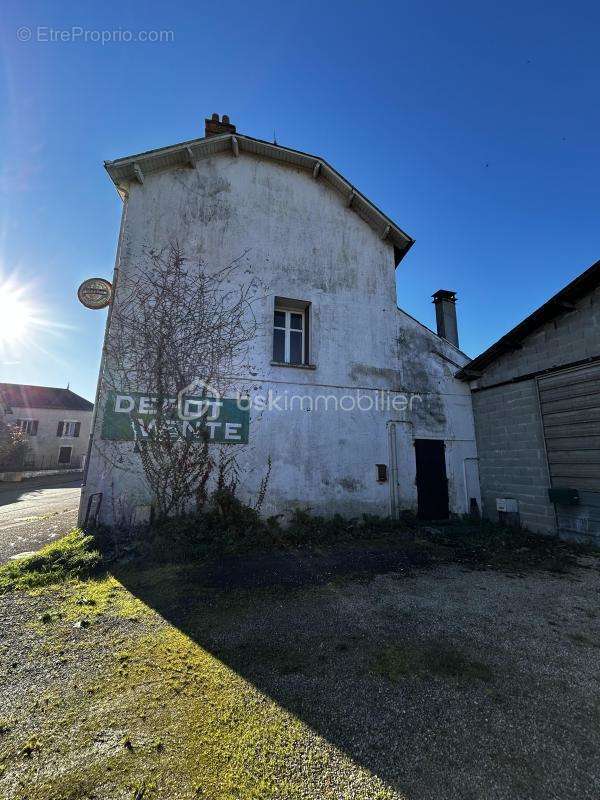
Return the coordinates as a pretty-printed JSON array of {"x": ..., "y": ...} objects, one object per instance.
[
  {"x": 228, "y": 527},
  {"x": 396, "y": 662},
  {"x": 583, "y": 639},
  {"x": 491, "y": 546},
  {"x": 73, "y": 557}
]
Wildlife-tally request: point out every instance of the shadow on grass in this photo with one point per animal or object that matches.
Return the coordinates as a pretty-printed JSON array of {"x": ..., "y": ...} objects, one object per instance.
[
  {"x": 428, "y": 717},
  {"x": 287, "y": 641}
]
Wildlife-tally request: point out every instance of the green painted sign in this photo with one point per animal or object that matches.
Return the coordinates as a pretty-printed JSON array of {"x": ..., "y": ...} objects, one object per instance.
[{"x": 128, "y": 417}]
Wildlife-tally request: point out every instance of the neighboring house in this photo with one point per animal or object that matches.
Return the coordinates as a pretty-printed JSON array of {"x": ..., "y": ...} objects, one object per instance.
[
  {"x": 328, "y": 325},
  {"x": 536, "y": 399},
  {"x": 57, "y": 423}
]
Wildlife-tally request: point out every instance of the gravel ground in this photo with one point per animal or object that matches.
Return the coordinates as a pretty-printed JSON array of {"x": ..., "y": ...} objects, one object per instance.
[
  {"x": 316, "y": 691},
  {"x": 302, "y": 566},
  {"x": 34, "y": 512}
]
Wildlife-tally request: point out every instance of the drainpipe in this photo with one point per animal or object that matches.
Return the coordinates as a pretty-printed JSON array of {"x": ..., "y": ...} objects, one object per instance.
[{"x": 393, "y": 470}]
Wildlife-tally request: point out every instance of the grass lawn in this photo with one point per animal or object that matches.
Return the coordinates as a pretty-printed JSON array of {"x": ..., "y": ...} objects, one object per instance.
[{"x": 445, "y": 680}]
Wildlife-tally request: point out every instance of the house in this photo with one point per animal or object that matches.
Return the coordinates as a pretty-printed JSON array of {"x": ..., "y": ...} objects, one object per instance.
[
  {"x": 536, "y": 400},
  {"x": 57, "y": 423},
  {"x": 375, "y": 420}
]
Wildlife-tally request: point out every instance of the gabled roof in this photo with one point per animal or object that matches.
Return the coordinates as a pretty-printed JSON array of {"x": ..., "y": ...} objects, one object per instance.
[
  {"x": 562, "y": 302},
  {"x": 21, "y": 395},
  {"x": 134, "y": 168}
]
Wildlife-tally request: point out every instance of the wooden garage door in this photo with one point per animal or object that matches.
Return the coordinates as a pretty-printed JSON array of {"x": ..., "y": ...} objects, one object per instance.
[{"x": 570, "y": 403}]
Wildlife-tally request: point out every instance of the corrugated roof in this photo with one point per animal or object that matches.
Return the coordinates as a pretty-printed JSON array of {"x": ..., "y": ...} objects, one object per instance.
[
  {"x": 559, "y": 304},
  {"x": 21, "y": 395},
  {"x": 132, "y": 168}
]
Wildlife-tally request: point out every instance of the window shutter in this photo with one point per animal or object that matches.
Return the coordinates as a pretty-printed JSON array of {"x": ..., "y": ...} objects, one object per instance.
[
  {"x": 34, "y": 427},
  {"x": 77, "y": 428},
  {"x": 59, "y": 430}
]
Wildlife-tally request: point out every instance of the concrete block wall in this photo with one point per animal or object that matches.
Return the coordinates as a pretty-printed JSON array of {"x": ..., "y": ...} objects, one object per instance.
[
  {"x": 508, "y": 425},
  {"x": 512, "y": 459},
  {"x": 571, "y": 336}
]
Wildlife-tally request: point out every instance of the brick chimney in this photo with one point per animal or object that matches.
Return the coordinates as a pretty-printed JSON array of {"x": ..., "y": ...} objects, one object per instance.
[
  {"x": 445, "y": 315},
  {"x": 215, "y": 127}
]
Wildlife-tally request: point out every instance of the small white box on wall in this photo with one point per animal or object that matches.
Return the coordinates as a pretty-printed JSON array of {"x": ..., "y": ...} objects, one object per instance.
[{"x": 508, "y": 505}]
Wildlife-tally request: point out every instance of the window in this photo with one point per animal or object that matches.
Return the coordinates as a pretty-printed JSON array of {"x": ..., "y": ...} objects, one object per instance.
[
  {"x": 28, "y": 426},
  {"x": 64, "y": 456},
  {"x": 290, "y": 333},
  {"x": 68, "y": 429},
  {"x": 381, "y": 473}
]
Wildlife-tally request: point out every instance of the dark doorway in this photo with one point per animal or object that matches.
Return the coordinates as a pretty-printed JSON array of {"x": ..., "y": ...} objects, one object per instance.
[
  {"x": 432, "y": 483},
  {"x": 64, "y": 456}
]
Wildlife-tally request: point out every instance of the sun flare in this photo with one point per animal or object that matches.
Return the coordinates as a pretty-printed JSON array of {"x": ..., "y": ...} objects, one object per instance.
[
  {"x": 28, "y": 329},
  {"x": 16, "y": 316}
]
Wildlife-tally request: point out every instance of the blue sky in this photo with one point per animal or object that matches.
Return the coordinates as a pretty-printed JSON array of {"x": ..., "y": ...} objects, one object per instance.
[{"x": 473, "y": 125}]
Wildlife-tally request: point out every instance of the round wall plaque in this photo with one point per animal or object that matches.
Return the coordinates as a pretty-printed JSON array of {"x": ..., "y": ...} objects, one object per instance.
[{"x": 95, "y": 293}]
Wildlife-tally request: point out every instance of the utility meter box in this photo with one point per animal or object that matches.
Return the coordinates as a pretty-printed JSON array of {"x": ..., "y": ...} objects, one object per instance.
[
  {"x": 507, "y": 505},
  {"x": 508, "y": 512}
]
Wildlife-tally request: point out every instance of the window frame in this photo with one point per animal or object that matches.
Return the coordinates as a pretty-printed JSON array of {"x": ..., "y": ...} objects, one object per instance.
[
  {"x": 288, "y": 306},
  {"x": 24, "y": 424},
  {"x": 287, "y": 333},
  {"x": 63, "y": 434}
]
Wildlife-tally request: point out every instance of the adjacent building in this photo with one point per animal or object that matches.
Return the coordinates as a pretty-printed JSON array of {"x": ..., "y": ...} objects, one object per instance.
[
  {"x": 329, "y": 327},
  {"x": 56, "y": 421},
  {"x": 536, "y": 400}
]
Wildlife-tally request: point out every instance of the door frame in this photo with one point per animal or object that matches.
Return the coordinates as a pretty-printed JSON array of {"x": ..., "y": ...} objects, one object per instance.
[
  {"x": 400, "y": 436},
  {"x": 446, "y": 480}
]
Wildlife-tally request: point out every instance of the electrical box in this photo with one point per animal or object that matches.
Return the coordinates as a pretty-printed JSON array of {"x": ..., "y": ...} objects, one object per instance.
[{"x": 507, "y": 505}]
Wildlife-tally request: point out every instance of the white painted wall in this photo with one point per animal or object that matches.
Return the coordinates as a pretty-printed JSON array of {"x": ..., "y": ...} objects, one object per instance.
[{"x": 303, "y": 243}]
